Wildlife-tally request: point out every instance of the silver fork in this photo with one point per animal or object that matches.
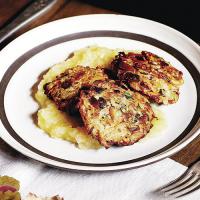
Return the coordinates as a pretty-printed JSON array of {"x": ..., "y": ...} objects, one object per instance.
[{"x": 184, "y": 184}]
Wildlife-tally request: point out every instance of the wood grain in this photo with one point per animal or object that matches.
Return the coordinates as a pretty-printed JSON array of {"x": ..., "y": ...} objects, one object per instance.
[
  {"x": 74, "y": 8},
  {"x": 8, "y": 8},
  {"x": 189, "y": 154}
]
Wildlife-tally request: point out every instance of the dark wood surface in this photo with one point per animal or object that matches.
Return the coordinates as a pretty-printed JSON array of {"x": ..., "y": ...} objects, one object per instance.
[{"x": 9, "y": 9}]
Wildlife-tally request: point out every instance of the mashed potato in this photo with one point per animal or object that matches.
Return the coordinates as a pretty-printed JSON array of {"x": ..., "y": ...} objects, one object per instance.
[{"x": 58, "y": 124}]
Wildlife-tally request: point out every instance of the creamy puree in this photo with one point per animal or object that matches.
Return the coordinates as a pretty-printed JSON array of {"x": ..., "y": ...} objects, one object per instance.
[{"x": 58, "y": 124}]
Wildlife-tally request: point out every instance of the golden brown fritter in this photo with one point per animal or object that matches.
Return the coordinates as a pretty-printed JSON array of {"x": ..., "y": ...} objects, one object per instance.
[
  {"x": 113, "y": 115},
  {"x": 65, "y": 88},
  {"x": 150, "y": 75}
]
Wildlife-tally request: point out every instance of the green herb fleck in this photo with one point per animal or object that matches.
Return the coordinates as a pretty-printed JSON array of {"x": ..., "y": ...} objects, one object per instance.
[
  {"x": 142, "y": 72},
  {"x": 127, "y": 95}
]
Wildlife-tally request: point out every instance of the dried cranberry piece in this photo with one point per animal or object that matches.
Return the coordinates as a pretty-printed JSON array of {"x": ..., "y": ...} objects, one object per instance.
[
  {"x": 102, "y": 102},
  {"x": 163, "y": 63},
  {"x": 121, "y": 54},
  {"x": 129, "y": 76},
  {"x": 180, "y": 73},
  {"x": 137, "y": 65},
  {"x": 116, "y": 91},
  {"x": 133, "y": 129},
  {"x": 140, "y": 57},
  {"x": 144, "y": 118},
  {"x": 66, "y": 84},
  {"x": 98, "y": 89},
  {"x": 94, "y": 101},
  {"x": 144, "y": 85},
  {"x": 79, "y": 75}
]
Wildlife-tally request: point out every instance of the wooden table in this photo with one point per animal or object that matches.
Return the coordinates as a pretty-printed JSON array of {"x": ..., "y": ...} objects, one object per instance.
[{"x": 8, "y": 10}]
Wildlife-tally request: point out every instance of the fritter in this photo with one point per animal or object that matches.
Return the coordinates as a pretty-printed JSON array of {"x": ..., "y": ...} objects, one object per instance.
[
  {"x": 150, "y": 75},
  {"x": 65, "y": 88},
  {"x": 113, "y": 115}
]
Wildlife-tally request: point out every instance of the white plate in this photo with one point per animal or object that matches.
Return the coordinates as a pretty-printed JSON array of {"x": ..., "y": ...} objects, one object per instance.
[{"x": 30, "y": 54}]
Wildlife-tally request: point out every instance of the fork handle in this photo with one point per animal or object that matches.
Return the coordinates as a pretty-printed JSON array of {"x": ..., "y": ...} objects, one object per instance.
[{"x": 33, "y": 12}]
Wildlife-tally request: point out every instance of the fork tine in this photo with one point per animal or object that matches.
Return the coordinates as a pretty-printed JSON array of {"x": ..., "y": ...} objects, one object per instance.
[
  {"x": 180, "y": 179},
  {"x": 189, "y": 189},
  {"x": 181, "y": 184}
]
